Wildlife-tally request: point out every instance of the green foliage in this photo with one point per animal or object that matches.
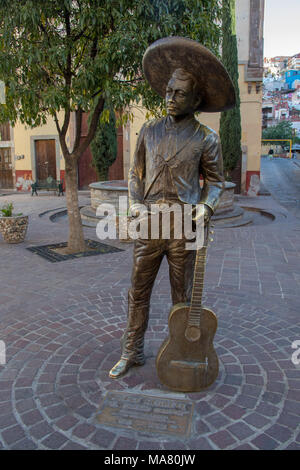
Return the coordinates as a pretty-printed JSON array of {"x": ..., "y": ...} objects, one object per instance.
[
  {"x": 7, "y": 209},
  {"x": 230, "y": 123},
  {"x": 282, "y": 130},
  {"x": 104, "y": 144},
  {"x": 63, "y": 54},
  {"x": 296, "y": 140}
]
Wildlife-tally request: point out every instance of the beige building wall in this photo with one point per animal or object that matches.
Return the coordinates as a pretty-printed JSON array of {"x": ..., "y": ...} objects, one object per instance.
[
  {"x": 24, "y": 139},
  {"x": 242, "y": 10}
]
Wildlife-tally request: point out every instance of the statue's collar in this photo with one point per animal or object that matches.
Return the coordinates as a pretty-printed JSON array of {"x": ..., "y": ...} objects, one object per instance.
[{"x": 180, "y": 125}]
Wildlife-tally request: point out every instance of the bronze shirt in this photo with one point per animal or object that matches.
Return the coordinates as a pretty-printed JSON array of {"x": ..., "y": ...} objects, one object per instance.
[{"x": 169, "y": 159}]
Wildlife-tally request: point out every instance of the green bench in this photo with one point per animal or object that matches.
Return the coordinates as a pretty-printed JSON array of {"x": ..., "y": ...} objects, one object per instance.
[{"x": 48, "y": 184}]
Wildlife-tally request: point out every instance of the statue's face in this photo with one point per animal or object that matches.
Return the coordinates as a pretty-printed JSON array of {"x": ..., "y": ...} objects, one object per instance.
[{"x": 180, "y": 98}]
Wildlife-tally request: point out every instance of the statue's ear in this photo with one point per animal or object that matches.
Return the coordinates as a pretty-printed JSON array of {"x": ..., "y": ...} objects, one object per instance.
[{"x": 198, "y": 101}]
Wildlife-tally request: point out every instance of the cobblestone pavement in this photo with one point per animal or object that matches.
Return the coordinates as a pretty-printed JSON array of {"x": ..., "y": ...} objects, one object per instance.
[{"x": 62, "y": 324}]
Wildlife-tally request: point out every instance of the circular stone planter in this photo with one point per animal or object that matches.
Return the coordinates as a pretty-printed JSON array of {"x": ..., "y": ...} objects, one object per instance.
[
  {"x": 108, "y": 192},
  {"x": 13, "y": 229},
  {"x": 227, "y": 198}
]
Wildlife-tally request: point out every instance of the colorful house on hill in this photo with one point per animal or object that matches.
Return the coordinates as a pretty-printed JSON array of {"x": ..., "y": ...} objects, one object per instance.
[{"x": 291, "y": 76}]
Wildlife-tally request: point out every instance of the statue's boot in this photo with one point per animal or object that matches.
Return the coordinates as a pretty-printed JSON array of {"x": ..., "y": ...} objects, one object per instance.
[
  {"x": 132, "y": 341},
  {"x": 123, "y": 366}
]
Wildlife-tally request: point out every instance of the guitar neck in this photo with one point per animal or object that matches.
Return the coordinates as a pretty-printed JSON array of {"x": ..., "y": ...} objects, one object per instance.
[{"x": 198, "y": 284}]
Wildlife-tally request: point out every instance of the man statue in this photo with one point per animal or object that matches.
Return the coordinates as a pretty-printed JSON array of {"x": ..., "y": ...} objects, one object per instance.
[{"x": 171, "y": 154}]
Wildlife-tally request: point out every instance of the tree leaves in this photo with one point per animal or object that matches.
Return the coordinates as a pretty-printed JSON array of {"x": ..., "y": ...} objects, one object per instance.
[
  {"x": 230, "y": 122},
  {"x": 282, "y": 130},
  {"x": 60, "y": 54}
]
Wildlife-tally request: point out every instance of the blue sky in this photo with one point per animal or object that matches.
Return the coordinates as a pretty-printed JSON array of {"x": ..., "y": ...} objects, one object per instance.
[{"x": 282, "y": 27}]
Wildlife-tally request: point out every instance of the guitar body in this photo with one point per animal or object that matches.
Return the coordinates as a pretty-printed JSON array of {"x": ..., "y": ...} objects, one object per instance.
[{"x": 188, "y": 365}]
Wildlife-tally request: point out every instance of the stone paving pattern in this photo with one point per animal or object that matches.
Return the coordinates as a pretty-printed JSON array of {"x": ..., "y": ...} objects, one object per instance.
[{"x": 62, "y": 325}]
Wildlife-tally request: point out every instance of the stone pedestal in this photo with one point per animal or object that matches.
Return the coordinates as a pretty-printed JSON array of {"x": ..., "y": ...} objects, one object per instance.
[
  {"x": 108, "y": 191},
  {"x": 227, "y": 198}
]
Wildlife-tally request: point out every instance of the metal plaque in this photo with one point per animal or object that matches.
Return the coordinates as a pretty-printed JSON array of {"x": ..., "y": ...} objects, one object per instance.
[{"x": 146, "y": 413}]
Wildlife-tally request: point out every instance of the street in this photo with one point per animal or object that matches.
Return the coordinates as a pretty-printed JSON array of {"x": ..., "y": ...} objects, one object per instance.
[{"x": 281, "y": 176}]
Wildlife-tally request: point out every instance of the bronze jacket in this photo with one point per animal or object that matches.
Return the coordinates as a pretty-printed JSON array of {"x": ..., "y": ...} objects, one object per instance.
[{"x": 188, "y": 149}]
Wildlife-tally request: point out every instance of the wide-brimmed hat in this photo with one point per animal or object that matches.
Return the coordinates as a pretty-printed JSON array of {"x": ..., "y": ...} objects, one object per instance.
[{"x": 166, "y": 55}]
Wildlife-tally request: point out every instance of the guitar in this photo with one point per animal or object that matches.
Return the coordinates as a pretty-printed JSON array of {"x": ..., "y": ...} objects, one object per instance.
[{"x": 187, "y": 360}]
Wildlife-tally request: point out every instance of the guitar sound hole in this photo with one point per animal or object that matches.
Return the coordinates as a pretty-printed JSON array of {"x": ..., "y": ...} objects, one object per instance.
[{"x": 192, "y": 333}]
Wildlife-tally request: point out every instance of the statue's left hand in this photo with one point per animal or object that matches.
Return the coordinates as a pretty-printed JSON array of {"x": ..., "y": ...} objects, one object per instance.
[{"x": 207, "y": 214}]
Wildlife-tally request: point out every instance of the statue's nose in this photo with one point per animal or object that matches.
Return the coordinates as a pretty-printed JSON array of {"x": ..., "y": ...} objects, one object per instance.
[{"x": 171, "y": 96}]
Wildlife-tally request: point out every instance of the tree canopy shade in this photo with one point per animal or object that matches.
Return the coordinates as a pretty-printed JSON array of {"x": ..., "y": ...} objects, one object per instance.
[
  {"x": 230, "y": 123},
  {"x": 73, "y": 55}
]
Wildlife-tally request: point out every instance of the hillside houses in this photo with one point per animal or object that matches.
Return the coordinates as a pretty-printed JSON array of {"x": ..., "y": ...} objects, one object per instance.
[{"x": 281, "y": 91}]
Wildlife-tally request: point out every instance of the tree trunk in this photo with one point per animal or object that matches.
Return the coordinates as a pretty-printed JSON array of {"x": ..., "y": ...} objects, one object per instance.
[{"x": 76, "y": 241}]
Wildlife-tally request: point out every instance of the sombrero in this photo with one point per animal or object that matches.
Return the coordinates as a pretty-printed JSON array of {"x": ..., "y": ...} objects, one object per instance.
[{"x": 166, "y": 55}]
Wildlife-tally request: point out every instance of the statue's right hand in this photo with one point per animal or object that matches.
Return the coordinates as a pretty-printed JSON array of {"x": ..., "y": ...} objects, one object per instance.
[{"x": 138, "y": 209}]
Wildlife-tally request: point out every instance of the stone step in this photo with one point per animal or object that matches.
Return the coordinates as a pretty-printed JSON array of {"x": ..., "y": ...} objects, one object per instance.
[
  {"x": 236, "y": 212},
  {"x": 241, "y": 222},
  {"x": 49, "y": 211},
  {"x": 233, "y": 218}
]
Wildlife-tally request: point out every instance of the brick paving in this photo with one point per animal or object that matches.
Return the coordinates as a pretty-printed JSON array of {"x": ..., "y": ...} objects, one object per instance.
[{"x": 62, "y": 325}]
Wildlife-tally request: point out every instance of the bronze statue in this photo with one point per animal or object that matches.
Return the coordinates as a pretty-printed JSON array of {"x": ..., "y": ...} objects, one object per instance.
[{"x": 170, "y": 155}]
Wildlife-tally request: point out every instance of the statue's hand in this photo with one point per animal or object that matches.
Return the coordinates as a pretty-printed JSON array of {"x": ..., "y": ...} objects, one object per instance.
[
  {"x": 207, "y": 214},
  {"x": 137, "y": 209}
]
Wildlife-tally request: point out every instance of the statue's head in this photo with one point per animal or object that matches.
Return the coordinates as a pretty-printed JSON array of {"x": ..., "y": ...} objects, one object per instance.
[
  {"x": 183, "y": 95},
  {"x": 176, "y": 63}
]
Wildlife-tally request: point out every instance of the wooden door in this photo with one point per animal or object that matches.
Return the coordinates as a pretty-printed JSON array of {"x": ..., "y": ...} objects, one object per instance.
[
  {"x": 6, "y": 173},
  {"x": 45, "y": 159},
  {"x": 5, "y": 131}
]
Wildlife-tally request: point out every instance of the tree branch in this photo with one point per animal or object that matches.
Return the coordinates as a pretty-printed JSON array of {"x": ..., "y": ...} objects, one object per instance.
[
  {"x": 49, "y": 42},
  {"x": 66, "y": 122},
  {"x": 78, "y": 125},
  {"x": 62, "y": 138}
]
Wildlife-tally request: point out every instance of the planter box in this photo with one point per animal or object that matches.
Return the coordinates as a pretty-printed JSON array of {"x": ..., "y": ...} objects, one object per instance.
[{"x": 13, "y": 229}]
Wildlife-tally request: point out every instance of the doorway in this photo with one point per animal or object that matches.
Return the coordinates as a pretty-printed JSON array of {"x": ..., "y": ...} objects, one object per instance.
[
  {"x": 6, "y": 171},
  {"x": 45, "y": 159}
]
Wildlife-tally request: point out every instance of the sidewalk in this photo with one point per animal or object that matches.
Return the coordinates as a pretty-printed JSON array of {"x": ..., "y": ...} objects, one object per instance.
[{"x": 62, "y": 325}]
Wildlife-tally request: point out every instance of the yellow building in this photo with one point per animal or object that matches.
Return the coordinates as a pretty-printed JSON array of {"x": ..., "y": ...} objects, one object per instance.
[
  {"x": 29, "y": 154},
  {"x": 249, "y": 30},
  {"x": 37, "y": 154}
]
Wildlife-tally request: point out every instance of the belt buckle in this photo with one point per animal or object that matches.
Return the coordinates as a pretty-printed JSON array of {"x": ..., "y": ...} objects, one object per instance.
[{"x": 161, "y": 202}]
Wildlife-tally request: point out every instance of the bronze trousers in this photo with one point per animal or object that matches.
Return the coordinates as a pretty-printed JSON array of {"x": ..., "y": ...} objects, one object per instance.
[{"x": 147, "y": 257}]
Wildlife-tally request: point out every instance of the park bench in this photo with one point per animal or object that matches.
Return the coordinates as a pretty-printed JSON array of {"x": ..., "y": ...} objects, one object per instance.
[{"x": 49, "y": 184}]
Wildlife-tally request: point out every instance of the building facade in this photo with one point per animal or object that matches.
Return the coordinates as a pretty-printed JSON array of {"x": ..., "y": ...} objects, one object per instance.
[
  {"x": 28, "y": 154},
  {"x": 249, "y": 30}
]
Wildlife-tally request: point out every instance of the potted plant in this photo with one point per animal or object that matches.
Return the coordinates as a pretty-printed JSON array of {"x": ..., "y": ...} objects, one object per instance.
[{"x": 13, "y": 227}]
